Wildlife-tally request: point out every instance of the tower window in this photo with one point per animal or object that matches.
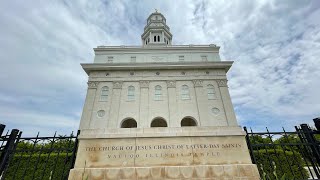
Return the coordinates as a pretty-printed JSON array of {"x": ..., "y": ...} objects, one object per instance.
[
  {"x": 211, "y": 92},
  {"x": 146, "y": 42},
  {"x": 110, "y": 59},
  {"x": 148, "y": 39},
  {"x": 185, "y": 94},
  {"x": 157, "y": 93},
  {"x": 204, "y": 58},
  {"x": 130, "y": 93},
  {"x": 181, "y": 58},
  {"x": 158, "y": 38},
  {"x": 167, "y": 42},
  {"x": 133, "y": 59},
  {"x": 104, "y": 93},
  {"x": 154, "y": 38}
]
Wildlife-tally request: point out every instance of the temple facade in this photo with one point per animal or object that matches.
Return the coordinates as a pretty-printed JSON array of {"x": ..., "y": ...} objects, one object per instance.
[{"x": 157, "y": 84}]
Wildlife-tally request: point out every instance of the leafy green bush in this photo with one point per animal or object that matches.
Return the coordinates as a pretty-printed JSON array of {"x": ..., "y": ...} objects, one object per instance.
[
  {"x": 279, "y": 162},
  {"x": 39, "y": 166}
]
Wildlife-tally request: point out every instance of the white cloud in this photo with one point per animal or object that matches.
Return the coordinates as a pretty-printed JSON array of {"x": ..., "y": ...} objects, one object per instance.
[{"x": 275, "y": 46}]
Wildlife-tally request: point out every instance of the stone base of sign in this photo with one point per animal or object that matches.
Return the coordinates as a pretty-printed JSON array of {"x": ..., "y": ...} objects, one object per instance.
[
  {"x": 164, "y": 153},
  {"x": 214, "y": 172}
]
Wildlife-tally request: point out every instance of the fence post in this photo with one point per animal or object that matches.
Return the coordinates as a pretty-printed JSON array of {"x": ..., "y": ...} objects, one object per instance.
[
  {"x": 253, "y": 159},
  {"x": 317, "y": 123},
  {"x": 75, "y": 149},
  {"x": 308, "y": 134},
  {"x": 7, "y": 149},
  {"x": 2, "y": 126}
]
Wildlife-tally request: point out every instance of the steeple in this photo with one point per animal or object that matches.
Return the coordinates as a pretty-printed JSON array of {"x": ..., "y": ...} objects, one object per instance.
[{"x": 156, "y": 32}]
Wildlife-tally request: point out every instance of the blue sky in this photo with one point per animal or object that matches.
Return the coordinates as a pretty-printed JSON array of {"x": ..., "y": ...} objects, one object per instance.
[{"x": 274, "y": 81}]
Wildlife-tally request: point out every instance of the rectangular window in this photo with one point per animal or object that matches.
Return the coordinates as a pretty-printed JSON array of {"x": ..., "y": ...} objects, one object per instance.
[
  {"x": 104, "y": 93},
  {"x": 110, "y": 59},
  {"x": 131, "y": 90},
  {"x": 181, "y": 58},
  {"x": 185, "y": 94},
  {"x": 133, "y": 59},
  {"x": 204, "y": 58}
]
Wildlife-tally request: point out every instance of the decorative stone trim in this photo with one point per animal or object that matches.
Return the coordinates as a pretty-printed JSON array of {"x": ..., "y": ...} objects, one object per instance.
[
  {"x": 223, "y": 171},
  {"x": 222, "y": 83},
  {"x": 144, "y": 84},
  {"x": 197, "y": 83},
  {"x": 117, "y": 84},
  {"x": 171, "y": 84},
  {"x": 92, "y": 84}
]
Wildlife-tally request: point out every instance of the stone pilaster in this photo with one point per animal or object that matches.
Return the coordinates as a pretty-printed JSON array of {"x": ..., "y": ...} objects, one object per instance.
[
  {"x": 115, "y": 104},
  {"x": 198, "y": 88},
  {"x": 144, "y": 104},
  {"x": 172, "y": 104},
  {"x": 226, "y": 101},
  {"x": 88, "y": 106}
]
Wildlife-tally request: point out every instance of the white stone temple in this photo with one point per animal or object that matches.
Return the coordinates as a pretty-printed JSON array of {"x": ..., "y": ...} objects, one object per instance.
[
  {"x": 160, "y": 111},
  {"x": 157, "y": 84}
]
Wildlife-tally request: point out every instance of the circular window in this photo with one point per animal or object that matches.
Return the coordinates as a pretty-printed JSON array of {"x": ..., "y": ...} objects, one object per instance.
[
  {"x": 215, "y": 111},
  {"x": 207, "y": 72},
  {"x": 183, "y": 73},
  {"x": 131, "y": 73},
  {"x": 157, "y": 73},
  {"x": 107, "y": 74},
  {"x": 101, "y": 113}
]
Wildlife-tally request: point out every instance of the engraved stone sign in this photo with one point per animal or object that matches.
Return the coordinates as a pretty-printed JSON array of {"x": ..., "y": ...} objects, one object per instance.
[{"x": 177, "y": 151}]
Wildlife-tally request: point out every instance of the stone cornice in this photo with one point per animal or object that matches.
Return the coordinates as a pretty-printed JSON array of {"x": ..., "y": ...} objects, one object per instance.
[
  {"x": 156, "y": 66},
  {"x": 222, "y": 83},
  {"x": 117, "y": 84},
  {"x": 144, "y": 84},
  {"x": 197, "y": 82},
  {"x": 171, "y": 84},
  {"x": 92, "y": 84},
  {"x": 210, "y": 48}
]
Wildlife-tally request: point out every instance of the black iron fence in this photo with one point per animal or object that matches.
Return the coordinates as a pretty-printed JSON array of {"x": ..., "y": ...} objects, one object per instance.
[
  {"x": 286, "y": 155},
  {"x": 36, "y": 157}
]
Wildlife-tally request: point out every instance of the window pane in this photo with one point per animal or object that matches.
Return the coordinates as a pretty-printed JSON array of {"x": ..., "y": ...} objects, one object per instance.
[
  {"x": 104, "y": 93},
  {"x": 185, "y": 92},
  {"x": 130, "y": 93},
  {"x": 211, "y": 92},
  {"x": 158, "y": 93}
]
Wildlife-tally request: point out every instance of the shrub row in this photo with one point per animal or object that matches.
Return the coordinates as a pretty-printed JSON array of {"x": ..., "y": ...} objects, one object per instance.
[
  {"x": 39, "y": 166},
  {"x": 279, "y": 162}
]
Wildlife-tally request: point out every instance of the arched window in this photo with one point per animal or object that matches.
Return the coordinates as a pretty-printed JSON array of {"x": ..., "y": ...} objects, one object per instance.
[
  {"x": 211, "y": 92},
  {"x": 159, "y": 122},
  {"x": 157, "y": 93},
  {"x": 146, "y": 42},
  {"x": 167, "y": 42},
  {"x": 148, "y": 39},
  {"x": 187, "y": 121},
  {"x": 158, "y": 38},
  {"x": 185, "y": 94},
  {"x": 154, "y": 38},
  {"x": 129, "y": 123},
  {"x": 130, "y": 93},
  {"x": 104, "y": 93}
]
